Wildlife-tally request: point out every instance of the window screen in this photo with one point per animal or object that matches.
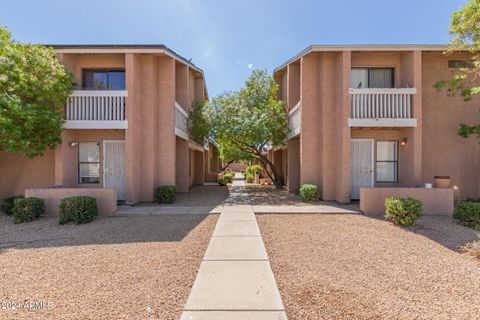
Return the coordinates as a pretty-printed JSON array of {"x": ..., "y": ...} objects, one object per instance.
[
  {"x": 372, "y": 78},
  {"x": 88, "y": 162},
  {"x": 387, "y": 161},
  {"x": 103, "y": 79}
]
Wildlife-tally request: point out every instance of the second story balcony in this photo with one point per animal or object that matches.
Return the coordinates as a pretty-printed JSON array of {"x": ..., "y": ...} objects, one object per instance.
[
  {"x": 96, "y": 109},
  {"x": 386, "y": 107}
]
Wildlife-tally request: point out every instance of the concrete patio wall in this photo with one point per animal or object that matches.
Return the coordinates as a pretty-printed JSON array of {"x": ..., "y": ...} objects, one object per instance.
[
  {"x": 435, "y": 201},
  {"x": 106, "y": 197}
]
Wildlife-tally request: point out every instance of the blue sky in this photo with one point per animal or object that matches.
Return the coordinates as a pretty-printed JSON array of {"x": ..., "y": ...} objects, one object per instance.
[{"x": 229, "y": 38}]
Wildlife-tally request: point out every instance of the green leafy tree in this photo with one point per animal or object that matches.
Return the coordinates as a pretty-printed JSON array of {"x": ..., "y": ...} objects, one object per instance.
[
  {"x": 199, "y": 125},
  {"x": 34, "y": 87},
  {"x": 465, "y": 29},
  {"x": 246, "y": 122}
]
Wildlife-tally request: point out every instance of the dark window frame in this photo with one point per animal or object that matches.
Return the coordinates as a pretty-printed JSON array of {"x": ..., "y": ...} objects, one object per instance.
[
  {"x": 461, "y": 64},
  {"x": 106, "y": 70},
  {"x": 84, "y": 162},
  {"x": 377, "y": 67},
  {"x": 397, "y": 157}
]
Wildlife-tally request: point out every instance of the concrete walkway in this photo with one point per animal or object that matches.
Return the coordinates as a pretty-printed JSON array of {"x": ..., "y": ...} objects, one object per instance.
[{"x": 235, "y": 280}]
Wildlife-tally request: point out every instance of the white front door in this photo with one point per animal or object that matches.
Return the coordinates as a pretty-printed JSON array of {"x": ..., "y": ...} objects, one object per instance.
[
  {"x": 114, "y": 167},
  {"x": 361, "y": 166}
]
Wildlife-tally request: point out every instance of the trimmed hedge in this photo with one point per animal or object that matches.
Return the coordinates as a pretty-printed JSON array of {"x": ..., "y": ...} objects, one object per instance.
[
  {"x": 308, "y": 192},
  {"x": 78, "y": 209},
  {"x": 165, "y": 194},
  {"x": 250, "y": 177},
  {"x": 7, "y": 204},
  {"x": 403, "y": 211},
  {"x": 468, "y": 213},
  {"x": 255, "y": 168},
  {"x": 228, "y": 177},
  {"x": 27, "y": 209}
]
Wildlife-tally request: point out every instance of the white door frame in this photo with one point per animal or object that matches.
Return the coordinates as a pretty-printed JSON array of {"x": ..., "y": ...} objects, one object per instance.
[
  {"x": 103, "y": 158},
  {"x": 372, "y": 180}
]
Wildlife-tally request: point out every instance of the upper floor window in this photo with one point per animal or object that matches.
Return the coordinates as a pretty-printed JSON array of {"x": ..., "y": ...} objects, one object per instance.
[
  {"x": 103, "y": 79},
  {"x": 461, "y": 64},
  {"x": 372, "y": 78}
]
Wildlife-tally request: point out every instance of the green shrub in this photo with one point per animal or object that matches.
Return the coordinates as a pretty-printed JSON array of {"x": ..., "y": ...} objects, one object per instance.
[
  {"x": 78, "y": 209},
  {"x": 468, "y": 213},
  {"x": 27, "y": 209},
  {"x": 308, "y": 192},
  {"x": 165, "y": 194},
  {"x": 7, "y": 204},
  {"x": 250, "y": 177},
  {"x": 228, "y": 177},
  {"x": 254, "y": 169},
  {"x": 403, "y": 211}
]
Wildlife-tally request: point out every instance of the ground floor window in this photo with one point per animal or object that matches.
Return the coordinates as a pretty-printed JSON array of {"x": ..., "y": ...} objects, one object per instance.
[
  {"x": 88, "y": 162},
  {"x": 386, "y": 167}
]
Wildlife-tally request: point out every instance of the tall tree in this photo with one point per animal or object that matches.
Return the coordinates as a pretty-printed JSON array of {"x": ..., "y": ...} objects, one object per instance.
[
  {"x": 34, "y": 87},
  {"x": 465, "y": 29},
  {"x": 245, "y": 122}
]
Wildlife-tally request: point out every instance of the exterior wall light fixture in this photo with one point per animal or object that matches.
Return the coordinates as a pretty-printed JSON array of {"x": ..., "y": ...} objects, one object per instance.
[
  {"x": 73, "y": 144},
  {"x": 404, "y": 141}
]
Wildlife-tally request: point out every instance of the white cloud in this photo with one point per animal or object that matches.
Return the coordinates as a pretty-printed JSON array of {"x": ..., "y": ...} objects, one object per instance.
[{"x": 250, "y": 65}]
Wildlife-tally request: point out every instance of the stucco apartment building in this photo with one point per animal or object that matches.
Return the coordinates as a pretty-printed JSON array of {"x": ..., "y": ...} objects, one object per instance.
[
  {"x": 368, "y": 116},
  {"x": 126, "y": 126}
]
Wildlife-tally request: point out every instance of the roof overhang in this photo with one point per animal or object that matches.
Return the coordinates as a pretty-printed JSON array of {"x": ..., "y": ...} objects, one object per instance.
[{"x": 363, "y": 47}]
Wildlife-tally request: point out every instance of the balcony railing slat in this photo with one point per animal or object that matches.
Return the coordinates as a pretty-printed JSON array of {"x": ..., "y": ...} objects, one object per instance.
[
  {"x": 91, "y": 105},
  {"x": 392, "y": 103}
]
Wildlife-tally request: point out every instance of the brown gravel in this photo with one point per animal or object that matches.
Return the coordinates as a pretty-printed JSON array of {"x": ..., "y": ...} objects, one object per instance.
[
  {"x": 359, "y": 267},
  {"x": 113, "y": 268}
]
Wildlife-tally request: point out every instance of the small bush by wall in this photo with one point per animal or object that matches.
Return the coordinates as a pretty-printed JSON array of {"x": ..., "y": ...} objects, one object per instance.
[
  {"x": 7, "y": 204},
  {"x": 228, "y": 177},
  {"x": 254, "y": 169},
  {"x": 468, "y": 213},
  {"x": 27, "y": 209},
  {"x": 165, "y": 194},
  {"x": 403, "y": 211},
  {"x": 249, "y": 177},
  {"x": 78, "y": 209},
  {"x": 222, "y": 182},
  {"x": 308, "y": 192}
]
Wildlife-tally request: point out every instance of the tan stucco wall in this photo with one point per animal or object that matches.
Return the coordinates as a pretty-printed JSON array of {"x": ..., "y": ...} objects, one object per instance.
[
  {"x": 18, "y": 173},
  {"x": 106, "y": 198},
  {"x": 444, "y": 152},
  {"x": 324, "y": 143},
  {"x": 66, "y": 164},
  {"x": 435, "y": 201}
]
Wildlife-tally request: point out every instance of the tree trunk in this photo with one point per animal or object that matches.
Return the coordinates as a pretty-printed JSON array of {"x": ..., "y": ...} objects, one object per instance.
[
  {"x": 228, "y": 163},
  {"x": 275, "y": 176}
]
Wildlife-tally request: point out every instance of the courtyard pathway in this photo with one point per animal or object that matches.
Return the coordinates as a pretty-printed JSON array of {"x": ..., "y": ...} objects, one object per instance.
[{"x": 235, "y": 280}]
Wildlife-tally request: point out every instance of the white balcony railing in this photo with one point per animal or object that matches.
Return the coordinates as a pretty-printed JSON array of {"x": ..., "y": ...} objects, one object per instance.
[
  {"x": 387, "y": 107},
  {"x": 181, "y": 122},
  {"x": 294, "y": 120},
  {"x": 96, "y": 109}
]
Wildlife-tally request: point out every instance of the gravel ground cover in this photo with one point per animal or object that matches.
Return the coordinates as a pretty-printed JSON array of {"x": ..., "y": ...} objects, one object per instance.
[
  {"x": 358, "y": 267},
  {"x": 113, "y": 268}
]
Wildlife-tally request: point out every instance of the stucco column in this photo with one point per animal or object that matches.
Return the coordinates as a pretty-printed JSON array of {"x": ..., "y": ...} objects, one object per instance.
[
  {"x": 310, "y": 156},
  {"x": 199, "y": 168},
  {"x": 343, "y": 145},
  {"x": 417, "y": 113},
  {"x": 165, "y": 139},
  {"x": 293, "y": 166},
  {"x": 133, "y": 135},
  {"x": 182, "y": 166}
]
